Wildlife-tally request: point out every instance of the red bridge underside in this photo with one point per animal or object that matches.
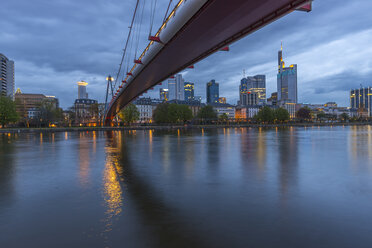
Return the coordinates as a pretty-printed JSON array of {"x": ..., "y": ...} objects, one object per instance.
[{"x": 217, "y": 24}]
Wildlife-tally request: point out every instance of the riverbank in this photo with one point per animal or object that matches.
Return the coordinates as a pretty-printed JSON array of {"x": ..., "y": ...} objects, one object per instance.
[{"x": 172, "y": 127}]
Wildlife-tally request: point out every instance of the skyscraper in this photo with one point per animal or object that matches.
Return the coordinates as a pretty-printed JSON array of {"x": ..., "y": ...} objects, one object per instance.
[
  {"x": 189, "y": 91},
  {"x": 176, "y": 88},
  {"x": 82, "y": 90},
  {"x": 164, "y": 94},
  {"x": 213, "y": 92},
  {"x": 6, "y": 76},
  {"x": 362, "y": 99},
  {"x": 286, "y": 81},
  {"x": 253, "y": 85},
  {"x": 172, "y": 88}
]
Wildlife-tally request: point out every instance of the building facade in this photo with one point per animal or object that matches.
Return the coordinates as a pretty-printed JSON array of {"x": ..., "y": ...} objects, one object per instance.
[
  {"x": 27, "y": 104},
  {"x": 176, "y": 89},
  {"x": 164, "y": 94},
  {"x": 146, "y": 107},
  {"x": 189, "y": 91},
  {"x": 85, "y": 111},
  {"x": 250, "y": 85},
  {"x": 82, "y": 90},
  {"x": 225, "y": 109},
  {"x": 362, "y": 99},
  {"x": 213, "y": 92},
  {"x": 247, "y": 112},
  {"x": 7, "y": 82},
  {"x": 286, "y": 81}
]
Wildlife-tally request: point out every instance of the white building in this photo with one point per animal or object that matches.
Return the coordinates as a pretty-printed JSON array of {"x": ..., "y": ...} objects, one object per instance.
[
  {"x": 33, "y": 113},
  {"x": 146, "y": 107},
  {"x": 7, "y": 76},
  {"x": 225, "y": 109},
  {"x": 247, "y": 112}
]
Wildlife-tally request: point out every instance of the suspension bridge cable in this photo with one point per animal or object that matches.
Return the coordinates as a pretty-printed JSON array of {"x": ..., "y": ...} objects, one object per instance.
[
  {"x": 166, "y": 13},
  {"x": 126, "y": 44},
  {"x": 152, "y": 16},
  {"x": 139, "y": 29}
]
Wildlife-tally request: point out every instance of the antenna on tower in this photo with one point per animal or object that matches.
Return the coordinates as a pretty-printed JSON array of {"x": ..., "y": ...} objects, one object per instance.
[
  {"x": 361, "y": 86},
  {"x": 243, "y": 73},
  {"x": 281, "y": 46}
]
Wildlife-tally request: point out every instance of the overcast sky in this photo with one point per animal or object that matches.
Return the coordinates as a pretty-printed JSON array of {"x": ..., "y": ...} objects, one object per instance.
[{"x": 56, "y": 43}]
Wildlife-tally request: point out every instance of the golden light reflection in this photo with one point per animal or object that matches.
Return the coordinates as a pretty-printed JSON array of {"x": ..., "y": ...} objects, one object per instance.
[
  {"x": 150, "y": 141},
  {"x": 94, "y": 142},
  {"x": 261, "y": 149},
  {"x": 66, "y": 135},
  {"x": 113, "y": 194}
]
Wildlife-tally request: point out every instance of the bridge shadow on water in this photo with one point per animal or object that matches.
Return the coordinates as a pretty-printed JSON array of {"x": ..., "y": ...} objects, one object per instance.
[{"x": 164, "y": 226}]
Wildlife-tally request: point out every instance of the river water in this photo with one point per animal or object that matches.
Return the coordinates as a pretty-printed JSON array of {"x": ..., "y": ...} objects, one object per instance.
[{"x": 293, "y": 187}]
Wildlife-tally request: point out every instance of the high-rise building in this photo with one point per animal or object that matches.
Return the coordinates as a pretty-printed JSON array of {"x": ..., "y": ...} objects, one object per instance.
[
  {"x": 189, "y": 91},
  {"x": 7, "y": 76},
  {"x": 362, "y": 99},
  {"x": 249, "y": 85},
  {"x": 172, "y": 88},
  {"x": 176, "y": 88},
  {"x": 213, "y": 92},
  {"x": 286, "y": 81},
  {"x": 82, "y": 90},
  {"x": 164, "y": 94}
]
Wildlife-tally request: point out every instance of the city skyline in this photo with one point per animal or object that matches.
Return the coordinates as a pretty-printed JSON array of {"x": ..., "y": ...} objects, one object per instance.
[{"x": 333, "y": 58}]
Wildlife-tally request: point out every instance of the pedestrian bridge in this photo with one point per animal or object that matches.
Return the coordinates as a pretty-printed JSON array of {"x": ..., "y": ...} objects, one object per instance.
[{"x": 193, "y": 30}]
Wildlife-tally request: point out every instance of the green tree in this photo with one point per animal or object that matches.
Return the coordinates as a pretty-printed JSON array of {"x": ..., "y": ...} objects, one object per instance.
[
  {"x": 321, "y": 115},
  {"x": 266, "y": 114},
  {"x": 49, "y": 113},
  {"x": 224, "y": 117},
  {"x": 8, "y": 111},
  {"x": 172, "y": 113},
  {"x": 281, "y": 115},
  {"x": 160, "y": 114},
  {"x": 304, "y": 113},
  {"x": 185, "y": 113},
  {"x": 207, "y": 113},
  {"x": 129, "y": 114}
]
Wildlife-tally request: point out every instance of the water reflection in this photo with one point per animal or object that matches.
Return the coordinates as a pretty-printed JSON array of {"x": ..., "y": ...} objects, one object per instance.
[
  {"x": 360, "y": 146},
  {"x": 182, "y": 188},
  {"x": 7, "y": 169},
  {"x": 288, "y": 160},
  {"x": 164, "y": 222},
  {"x": 84, "y": 159},
  {"x": 113, "y": 194},
  {"x": 213, "y": 150},
  {"x": 253, "y": 151}
]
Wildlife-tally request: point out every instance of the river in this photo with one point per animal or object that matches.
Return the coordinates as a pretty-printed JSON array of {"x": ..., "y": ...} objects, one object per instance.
[{"x": 237, "y": 187}]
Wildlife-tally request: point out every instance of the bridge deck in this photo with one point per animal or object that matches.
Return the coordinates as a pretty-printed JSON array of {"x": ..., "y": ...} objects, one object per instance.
[{"x": 217, "y": 24}]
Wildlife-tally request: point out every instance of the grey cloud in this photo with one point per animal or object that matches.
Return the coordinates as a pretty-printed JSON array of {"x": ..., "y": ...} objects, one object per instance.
[{"x": 84, "y": 40}]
